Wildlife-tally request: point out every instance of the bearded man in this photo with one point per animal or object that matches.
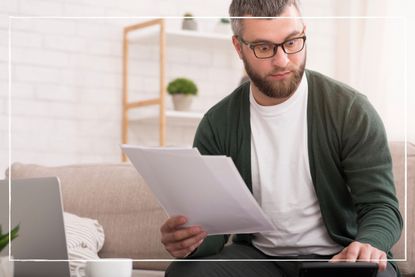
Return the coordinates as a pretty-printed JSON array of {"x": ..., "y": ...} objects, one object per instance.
[{"x": 312, "y": 150}]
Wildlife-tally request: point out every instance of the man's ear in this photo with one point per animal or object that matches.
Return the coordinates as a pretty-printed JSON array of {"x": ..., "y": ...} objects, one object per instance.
[{"x": 237, "y": 45}]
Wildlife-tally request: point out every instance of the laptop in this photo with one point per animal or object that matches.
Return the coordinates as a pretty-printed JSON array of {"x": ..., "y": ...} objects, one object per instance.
[
  {"x": 340, "y": 269},
  {"x": 36, "y": 205}
]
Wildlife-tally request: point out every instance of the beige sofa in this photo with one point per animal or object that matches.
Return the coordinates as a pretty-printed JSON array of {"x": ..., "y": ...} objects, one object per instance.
[{"x": 118, "y": 197}]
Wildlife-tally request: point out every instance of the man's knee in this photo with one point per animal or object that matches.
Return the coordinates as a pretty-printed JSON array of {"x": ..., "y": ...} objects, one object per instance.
[
  {"x": 222, "y": 268},
  {"x": 189, "y": 269}
]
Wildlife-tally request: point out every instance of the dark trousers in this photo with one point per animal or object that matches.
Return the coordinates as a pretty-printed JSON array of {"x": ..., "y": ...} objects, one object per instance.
[{"x": 189, "y": 268}]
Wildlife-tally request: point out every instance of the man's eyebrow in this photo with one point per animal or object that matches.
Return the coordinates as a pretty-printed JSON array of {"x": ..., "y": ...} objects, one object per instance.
[{"x": 292, "y": 34}]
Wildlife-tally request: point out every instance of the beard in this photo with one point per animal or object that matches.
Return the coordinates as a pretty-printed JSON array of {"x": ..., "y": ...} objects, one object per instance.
[{"x": 276, "y": 88}]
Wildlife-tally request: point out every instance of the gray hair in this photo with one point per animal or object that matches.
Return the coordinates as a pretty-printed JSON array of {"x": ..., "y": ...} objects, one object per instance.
[{"x": 265, "y": 8}]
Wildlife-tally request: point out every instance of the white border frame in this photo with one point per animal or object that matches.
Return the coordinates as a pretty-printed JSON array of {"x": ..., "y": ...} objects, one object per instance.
[{"x": 404, "y": 18}]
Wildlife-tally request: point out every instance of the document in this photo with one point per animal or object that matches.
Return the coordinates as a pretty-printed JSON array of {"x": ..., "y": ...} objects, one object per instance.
[{"x": 208, "y": 190}]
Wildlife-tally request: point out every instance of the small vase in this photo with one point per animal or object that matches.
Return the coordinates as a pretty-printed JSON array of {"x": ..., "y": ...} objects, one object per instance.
[
  {"x": 6, "y": 266},
  {"x": 182, "y": 102},
  {"x": 189, "y": 24}
]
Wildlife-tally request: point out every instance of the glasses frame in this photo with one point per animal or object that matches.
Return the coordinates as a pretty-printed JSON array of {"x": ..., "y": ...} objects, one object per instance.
[{"x": 252, "y": 45}]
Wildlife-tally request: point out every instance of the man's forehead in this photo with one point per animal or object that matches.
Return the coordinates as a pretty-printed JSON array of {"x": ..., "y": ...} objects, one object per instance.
[
  {"x": 271, "y": 28},
  {"x": 289, "y": 18}
]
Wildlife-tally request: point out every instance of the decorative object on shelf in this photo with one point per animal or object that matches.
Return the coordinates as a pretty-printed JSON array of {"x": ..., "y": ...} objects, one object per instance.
[
  {"x": 223, "y": 26},
  {"x": 182, "y": 91},
  {"x": 6, "y": 266},
  {"x": 189, "y": 23}
]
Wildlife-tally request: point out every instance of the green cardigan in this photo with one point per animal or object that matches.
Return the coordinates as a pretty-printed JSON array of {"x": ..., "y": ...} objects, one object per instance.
[{"x": 349, "y": 158}]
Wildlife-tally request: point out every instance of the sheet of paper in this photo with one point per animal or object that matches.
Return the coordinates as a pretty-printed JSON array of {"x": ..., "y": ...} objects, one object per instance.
[{"x": 208, "y": 190}]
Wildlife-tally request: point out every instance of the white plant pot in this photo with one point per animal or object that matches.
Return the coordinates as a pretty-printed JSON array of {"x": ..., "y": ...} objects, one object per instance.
[
  {"x": 182, "y": 102},
  {"x": 189, "y": 24},
  {"x": 6, "y": 267}
]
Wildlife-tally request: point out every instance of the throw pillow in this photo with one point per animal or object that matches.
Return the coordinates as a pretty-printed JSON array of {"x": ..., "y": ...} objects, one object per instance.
[{"x": 84, "y": 237}]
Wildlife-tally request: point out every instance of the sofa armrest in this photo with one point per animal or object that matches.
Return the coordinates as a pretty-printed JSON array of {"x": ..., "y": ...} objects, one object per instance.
[{"x": 398, "y": 159}]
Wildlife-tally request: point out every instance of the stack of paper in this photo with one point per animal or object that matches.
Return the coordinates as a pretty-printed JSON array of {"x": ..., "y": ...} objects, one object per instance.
[{"x": 208, "y": 190}]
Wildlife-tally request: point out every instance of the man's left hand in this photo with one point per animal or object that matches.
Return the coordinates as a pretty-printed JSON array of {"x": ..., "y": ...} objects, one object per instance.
[{"x": 363, "y": 252}]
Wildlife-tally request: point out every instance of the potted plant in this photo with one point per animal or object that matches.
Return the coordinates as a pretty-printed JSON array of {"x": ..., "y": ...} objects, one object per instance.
[
  {"x": 182, "y": 91},
  {"x": 189, "y": 23},
  {"x": 6, "y": 267},
  {"x": 223, "y": 26}
]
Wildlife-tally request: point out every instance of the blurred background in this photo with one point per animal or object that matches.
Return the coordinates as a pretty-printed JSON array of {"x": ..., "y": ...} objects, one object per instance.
[{"x": 67, "y": 73}]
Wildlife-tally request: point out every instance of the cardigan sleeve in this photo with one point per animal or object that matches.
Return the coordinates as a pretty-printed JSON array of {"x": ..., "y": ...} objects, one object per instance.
[
  {"x": 367, "y": 165},
  {"x": 205, "y": 142}
]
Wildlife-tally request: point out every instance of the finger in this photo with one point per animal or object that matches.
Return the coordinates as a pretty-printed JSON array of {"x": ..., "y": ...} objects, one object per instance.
[
  {"x": 200, "y": 242},
  {"x": 335, "y": 258},
  {"x": 186, "y": 252},
  {"x": 339, "y": 257},
  {"x": 194, "y": 247},
  {"x": 380, "y": 258},
  {"x": 353, "y": 251},
  {"x": 383, "y": 263},
  {"x": 375, "y": 256},
  {"x": 187, "y": 243},
  {"x": 172, "y": 223},
  {"x": 365, "y": 253},
  {"x": 181, "y": 234},
  {"x": 181, "y": 253}
]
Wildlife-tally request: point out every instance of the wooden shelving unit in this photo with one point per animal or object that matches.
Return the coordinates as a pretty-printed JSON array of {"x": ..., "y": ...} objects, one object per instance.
[
  {"x": 145, "y": 30},
  {"x": 161, "y": 101}
]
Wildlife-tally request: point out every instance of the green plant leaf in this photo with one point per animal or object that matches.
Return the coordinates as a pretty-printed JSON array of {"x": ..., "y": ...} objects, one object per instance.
[
  {"x": 225, "y": 20},
  {"x": 182, "y": 86},
  {"x": 4, "y": 238},
  {"x": 14, "y": 232}
]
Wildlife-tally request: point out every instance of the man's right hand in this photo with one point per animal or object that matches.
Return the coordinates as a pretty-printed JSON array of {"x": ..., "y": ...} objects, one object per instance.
[{"x": 180, "y": 241}]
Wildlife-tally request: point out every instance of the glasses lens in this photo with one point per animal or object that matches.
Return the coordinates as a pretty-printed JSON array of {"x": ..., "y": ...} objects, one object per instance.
[
  {"x": 293, "y": 46},
  {"x": 264, "y": 50}
]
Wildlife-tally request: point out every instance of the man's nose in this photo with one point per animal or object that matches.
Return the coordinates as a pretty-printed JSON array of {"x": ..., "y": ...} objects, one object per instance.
[{"x": 280, "y": 59}]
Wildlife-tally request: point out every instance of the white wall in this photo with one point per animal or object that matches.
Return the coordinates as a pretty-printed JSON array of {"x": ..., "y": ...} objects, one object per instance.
[
  {"x": 66, "y": 77},
  {"x": 66, "y": 73},
  {"x": 371, "y": 56}
]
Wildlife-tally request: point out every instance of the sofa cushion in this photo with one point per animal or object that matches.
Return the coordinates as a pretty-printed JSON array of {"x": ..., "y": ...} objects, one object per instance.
[{"x": 117, "y": 196}]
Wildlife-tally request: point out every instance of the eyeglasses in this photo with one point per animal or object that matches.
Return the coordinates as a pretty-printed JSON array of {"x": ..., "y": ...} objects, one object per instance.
[{"x": 265, "y": 50}]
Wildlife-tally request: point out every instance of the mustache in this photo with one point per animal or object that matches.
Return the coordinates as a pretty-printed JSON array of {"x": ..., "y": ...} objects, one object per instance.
[{"x": 278, "y": 70}]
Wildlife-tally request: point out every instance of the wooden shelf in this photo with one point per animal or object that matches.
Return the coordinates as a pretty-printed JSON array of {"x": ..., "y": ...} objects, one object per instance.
[
  {"x": 185, "y": 115},
  {"x": 191, "y": 115},
  {"x": 151, "y": 36},
  {"x": 175, "y": 118}
]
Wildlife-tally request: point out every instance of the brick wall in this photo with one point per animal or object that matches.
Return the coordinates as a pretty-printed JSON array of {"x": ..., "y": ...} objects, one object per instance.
[{"x": 66, "y": 75}]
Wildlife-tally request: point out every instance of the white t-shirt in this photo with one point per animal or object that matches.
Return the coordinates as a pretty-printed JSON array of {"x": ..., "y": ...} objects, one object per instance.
[{"x": 281, "y": 179}]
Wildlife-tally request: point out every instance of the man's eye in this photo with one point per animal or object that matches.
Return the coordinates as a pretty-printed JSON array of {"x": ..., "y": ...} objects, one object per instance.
[
  {"x": 291, "y": 43},
  {"x": 263, "y": 47}
]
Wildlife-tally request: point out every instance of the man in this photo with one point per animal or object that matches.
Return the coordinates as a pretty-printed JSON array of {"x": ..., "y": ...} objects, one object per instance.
[{"x": 313, "y": 152}]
